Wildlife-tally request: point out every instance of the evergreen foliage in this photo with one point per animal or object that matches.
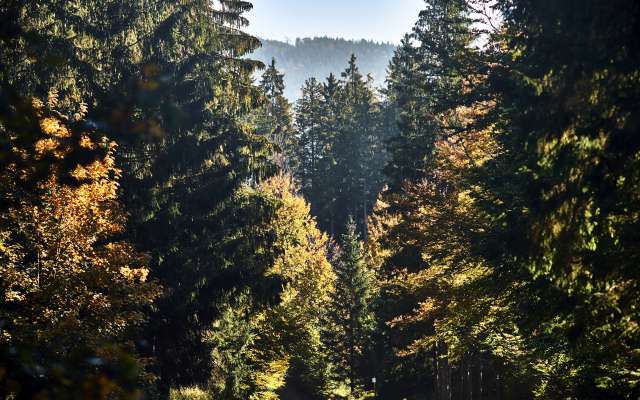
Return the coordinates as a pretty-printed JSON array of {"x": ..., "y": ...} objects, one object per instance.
[
  {"x": 274, "y": 119},
  {"x": 351, "y": 315},
  {"x": 490, "y": 244},
  {"x": 168, "y": 225},
  {"x": 341, "y": 133},
  {"x": 321, "y": 56}
]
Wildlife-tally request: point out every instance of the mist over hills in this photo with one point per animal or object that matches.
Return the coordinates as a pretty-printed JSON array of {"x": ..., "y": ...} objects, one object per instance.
[{"x": 318, "y": 57}]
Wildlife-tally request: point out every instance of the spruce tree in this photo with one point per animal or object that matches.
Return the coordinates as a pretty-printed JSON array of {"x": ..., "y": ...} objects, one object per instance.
[
  {"x": 350, "y": 313},
  {"x": 313, "y": 145},
  {"x": 430, "y": 96},
  {"x": 274, "y": 119},
  {"x": 344, "y": 132},
  {"x": 560, "y": 193},
  {"x": 333, "y": 97},
  {"x": 181, "y": 186},
  {"x": 506, "y": 217},
  {"x": 411, "y": 145},
  {"x": 356, "y": 172}
]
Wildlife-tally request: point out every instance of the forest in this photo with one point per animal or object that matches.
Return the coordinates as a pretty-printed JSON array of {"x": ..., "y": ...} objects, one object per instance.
[
  {"x": 172, "y": 228},
  {"x": 319, "y": 56}
]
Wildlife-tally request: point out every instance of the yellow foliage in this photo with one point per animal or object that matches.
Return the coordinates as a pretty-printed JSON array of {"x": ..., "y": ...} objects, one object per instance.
[
  {"x": 437, "y": 218},
  {"x": 303, "y": 261},
  {"x": 270, "y": 379},
  {"x": 60, "y": 265},
  {"x": 54, "y": 127},
  {"x": 189, "y": 393},
  {"x": 380, "y": 222},
  {"x": 291, "y": 326}
]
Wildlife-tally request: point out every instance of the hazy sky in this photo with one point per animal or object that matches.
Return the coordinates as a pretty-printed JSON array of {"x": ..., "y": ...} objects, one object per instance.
[{"x": 379, "y": 20}]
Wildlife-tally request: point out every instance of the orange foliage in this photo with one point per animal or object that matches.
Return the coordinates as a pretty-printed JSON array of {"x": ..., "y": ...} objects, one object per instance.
[
  {"x": 438, "y": 217},
  {"x": 65, "y": 277}
]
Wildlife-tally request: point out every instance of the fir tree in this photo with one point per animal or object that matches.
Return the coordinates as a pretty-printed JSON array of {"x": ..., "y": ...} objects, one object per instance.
[{"x": 560, "y": 205}]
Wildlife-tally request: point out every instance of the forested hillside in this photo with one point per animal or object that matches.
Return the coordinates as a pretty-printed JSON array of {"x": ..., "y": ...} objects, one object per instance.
[
  {"x": 172, "y": 228},
  {"x": 318, "y": 57}
]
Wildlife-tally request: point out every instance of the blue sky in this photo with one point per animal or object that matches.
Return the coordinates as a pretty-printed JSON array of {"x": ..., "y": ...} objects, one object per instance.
[{"x": 379, "y": 20}]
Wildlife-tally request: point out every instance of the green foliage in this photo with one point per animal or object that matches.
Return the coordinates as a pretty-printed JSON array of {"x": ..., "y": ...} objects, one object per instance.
[
  {"x": 232, "y": 339},
  {"x": 350, "y": 315},
  {"x": 341, "y": 152},
  {"x": 411, "y": 142},
  {"x": 574, "y": 113},
  {"x": 321, "y": 56},
  {"x": 500, "y": 262},
  {"x": 260, "y": 350},
  {"x": 499, "y": 244},
  {"x": 183, "y": 188},
  {"x": 274, "y": 119},
  {"x": 169, "y": 82}
]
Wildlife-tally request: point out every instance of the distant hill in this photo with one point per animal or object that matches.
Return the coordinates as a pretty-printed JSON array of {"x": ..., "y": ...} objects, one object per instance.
[{"x": 318, "y": 57}]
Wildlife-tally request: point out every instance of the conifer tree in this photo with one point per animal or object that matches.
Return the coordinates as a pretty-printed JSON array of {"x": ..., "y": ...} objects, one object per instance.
[
  {"x": 332, "y": 96},
  {"x": 170, "y": 82},
  {"x": 147, "y": 242},
  {"x": 350, "y": 313},
  {"x": 427, "y": 202},
  {"x": 313, "y": 145},
  {"x": 352, "y": 138},
  {"x": 351, "y": 145},
  {"x": 502, "y": 224},
  {"x": 411, "y": 145},
  {"x": 274, "y": 119},
  {"x": 182, "y": 187},
  {"x": 560, "y": 205}
]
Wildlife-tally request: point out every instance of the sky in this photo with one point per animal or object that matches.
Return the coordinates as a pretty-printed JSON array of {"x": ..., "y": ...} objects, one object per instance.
[{"x": 378, "y": 20}]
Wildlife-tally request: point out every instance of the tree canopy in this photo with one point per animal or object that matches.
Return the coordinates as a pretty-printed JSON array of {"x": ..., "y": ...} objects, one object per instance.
[{"x": 173, "y": 227}]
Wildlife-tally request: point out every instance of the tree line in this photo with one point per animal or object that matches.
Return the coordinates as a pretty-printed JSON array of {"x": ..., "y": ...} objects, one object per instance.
[
  {"x": 170, "y": 228},
  {"x": 319, "y": 56}
]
